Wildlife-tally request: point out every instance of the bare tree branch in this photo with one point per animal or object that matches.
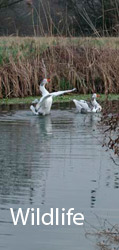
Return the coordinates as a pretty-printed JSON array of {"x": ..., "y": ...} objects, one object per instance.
[{"x": 8, "y": 3}]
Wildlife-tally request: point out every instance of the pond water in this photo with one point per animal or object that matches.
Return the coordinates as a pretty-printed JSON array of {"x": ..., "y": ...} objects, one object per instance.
[{"x": 55, "y": 161}]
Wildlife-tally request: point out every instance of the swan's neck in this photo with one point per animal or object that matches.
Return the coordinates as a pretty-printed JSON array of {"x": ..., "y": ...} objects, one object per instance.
[
  {"x": 43, "y": 90},
  {"x": 94, "y": 102}
]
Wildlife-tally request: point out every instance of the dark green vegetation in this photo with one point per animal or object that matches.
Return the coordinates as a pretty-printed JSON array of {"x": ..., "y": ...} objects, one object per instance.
[{"x": 64, "y": 98}]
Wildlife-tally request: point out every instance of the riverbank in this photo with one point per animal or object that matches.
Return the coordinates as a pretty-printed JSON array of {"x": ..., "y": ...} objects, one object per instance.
[
  {"x": 89, "y": 64},
  {"x": 64, "y": 98}
]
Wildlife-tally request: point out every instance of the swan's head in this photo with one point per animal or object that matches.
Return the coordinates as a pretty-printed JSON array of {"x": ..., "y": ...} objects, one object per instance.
[
  {"x": 45, "y": 81},
  {"x": 94, "y": 96}
]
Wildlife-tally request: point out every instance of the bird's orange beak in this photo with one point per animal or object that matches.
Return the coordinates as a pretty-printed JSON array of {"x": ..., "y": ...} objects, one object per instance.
[
  {"x": 98, "y": 95},
  {"x": 48, "y": 80}
]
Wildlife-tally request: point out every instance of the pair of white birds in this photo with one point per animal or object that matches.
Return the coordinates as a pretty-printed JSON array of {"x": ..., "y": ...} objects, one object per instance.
[{"x": 43, "y": 106}]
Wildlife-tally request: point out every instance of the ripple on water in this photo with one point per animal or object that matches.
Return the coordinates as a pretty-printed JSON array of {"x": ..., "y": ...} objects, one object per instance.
[{"x": 53, "y": 161}]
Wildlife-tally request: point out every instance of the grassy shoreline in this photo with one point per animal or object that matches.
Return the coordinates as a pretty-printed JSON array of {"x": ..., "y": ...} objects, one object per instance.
[
  {"x": 45, "y": 42},
  {"x": 66, "y": 98}
]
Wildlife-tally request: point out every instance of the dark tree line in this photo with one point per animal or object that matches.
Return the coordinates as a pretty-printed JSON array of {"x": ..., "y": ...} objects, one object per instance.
[
  {"x": 95, "y": 16},
  {"x": 67, "y": 17}
]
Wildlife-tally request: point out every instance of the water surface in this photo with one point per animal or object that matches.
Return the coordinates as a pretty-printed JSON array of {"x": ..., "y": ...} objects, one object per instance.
[{"x": 49, "y": 162}]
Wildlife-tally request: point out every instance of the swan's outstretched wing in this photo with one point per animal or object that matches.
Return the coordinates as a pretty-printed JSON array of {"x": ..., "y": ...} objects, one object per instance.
[
  {"x": 54, "y": 94},
  {"x": 77, "y": 104},
  {"x": 82, "y": 105}
]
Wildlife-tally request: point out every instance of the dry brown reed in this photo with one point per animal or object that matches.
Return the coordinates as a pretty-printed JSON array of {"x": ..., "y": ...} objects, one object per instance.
[{"x": 88, "y": 68}]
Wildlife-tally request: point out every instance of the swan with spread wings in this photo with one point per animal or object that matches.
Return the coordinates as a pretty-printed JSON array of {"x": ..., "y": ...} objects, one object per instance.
[{"x": 43, "y": 106}]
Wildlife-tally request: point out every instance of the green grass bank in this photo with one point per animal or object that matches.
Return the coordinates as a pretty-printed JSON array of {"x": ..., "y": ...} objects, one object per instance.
[{"x": 65, "y": 98}]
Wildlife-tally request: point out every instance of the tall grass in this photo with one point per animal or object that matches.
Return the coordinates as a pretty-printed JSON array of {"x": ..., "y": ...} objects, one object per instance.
[{"x": 91, "y": 65}]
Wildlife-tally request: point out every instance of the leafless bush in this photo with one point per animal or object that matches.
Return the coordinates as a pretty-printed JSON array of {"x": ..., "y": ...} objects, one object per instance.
[{"x": 110, "y": 120}]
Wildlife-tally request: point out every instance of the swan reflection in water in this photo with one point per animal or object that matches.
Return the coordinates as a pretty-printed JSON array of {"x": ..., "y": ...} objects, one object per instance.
[
  {"x": 26, "y": 166},
  {"x": 43, "y": 124}
]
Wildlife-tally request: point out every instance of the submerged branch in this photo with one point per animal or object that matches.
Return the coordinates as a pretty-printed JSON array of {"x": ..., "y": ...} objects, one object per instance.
[
  {"x": 106, "y": 236},
  {"x": 110, "y": 119}
]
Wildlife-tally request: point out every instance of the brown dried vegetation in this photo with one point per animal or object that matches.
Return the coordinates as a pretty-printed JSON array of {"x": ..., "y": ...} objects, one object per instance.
[
  {"x": 88, "y": 68},
  {"x": 110, "y": 119}
]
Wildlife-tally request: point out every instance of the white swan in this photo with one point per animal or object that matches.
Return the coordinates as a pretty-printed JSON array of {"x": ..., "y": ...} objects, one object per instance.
[
  {"x": 43, "y": 106},
  {"x": 86, "y": 107}
]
